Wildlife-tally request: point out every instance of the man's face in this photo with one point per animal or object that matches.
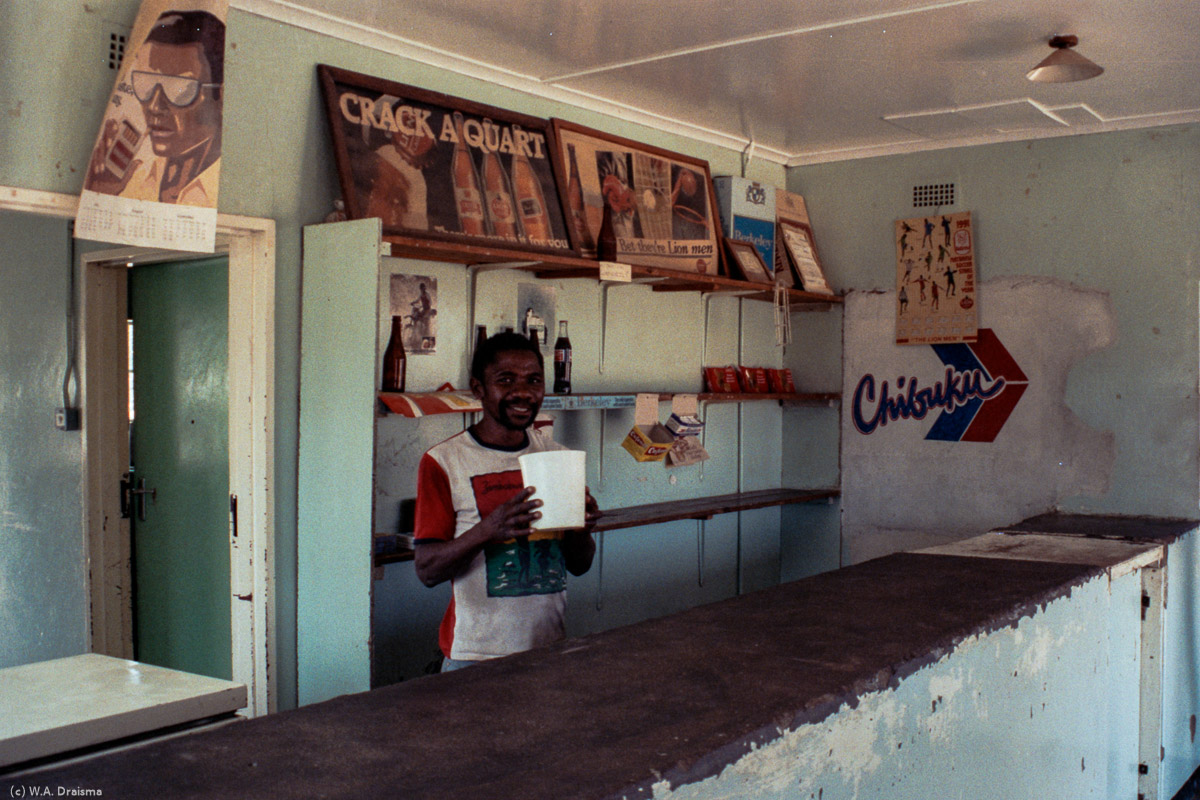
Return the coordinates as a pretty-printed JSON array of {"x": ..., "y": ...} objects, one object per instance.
[
  {"x": 176, "y": 129},
  {"x": 512, "y": 390}
]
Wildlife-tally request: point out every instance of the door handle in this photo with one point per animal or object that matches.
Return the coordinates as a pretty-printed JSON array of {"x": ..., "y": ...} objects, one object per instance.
[{"x": 131, "y": 496}]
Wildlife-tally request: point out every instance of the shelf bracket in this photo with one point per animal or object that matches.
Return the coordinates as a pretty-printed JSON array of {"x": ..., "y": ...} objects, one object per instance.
[{"x": 700, "y": 552}]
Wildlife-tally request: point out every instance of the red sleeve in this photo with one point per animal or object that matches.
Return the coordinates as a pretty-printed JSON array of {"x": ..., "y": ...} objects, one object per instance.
[{"x": 434, "y": 516}]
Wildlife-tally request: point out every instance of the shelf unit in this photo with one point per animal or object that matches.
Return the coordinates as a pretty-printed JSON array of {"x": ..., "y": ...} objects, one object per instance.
[
  {"x": 570, "y": 266},
  {"x": 585, "y": 401},
  {"x": 694, "y": 508}
]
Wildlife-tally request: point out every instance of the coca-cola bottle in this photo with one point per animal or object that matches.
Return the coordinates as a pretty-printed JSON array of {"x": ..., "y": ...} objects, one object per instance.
[
  {"x": 395, "y": 360},
  {"x": 531, "y": 201},
  {"x": 562, "y": 360},
  {"x": 498, "y": 194},
  {"x": 587, "y": 244},
  {"x": 467, "y": 197}
]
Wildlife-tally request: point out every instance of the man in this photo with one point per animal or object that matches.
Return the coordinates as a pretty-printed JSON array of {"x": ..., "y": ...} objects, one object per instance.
[
  {"x": 177, "y": 76},
  {"x": 473, "y": 515}
]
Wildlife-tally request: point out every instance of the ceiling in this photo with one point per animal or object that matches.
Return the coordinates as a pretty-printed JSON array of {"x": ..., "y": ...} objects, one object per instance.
[{"x": 804, "y": 81}]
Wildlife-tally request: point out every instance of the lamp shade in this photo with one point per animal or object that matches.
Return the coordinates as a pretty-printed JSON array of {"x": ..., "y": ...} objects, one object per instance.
[{"x": 1064, "y": 64}]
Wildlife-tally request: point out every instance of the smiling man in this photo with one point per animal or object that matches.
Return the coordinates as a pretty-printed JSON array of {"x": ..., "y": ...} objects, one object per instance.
[
  {"x": 177, "y": 76},
  {"x": 473, "y": 515}
]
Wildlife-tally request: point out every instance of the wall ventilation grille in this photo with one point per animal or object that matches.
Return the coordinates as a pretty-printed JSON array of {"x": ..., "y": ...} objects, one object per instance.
[
  {"x": 933, "y": 194},
  {"x": 116, "y": 50}
]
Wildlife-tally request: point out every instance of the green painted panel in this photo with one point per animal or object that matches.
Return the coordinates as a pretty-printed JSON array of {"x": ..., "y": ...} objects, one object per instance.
[
  {"x": 336, "y": 453},
  {"x": 179, "y": 439}
]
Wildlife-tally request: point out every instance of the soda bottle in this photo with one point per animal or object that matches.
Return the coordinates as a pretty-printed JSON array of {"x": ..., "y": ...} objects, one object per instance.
[
  {"x": 467, "y": 197},
  {"x": 562, "y": 360},
  {"x": 394, "y": 358}
]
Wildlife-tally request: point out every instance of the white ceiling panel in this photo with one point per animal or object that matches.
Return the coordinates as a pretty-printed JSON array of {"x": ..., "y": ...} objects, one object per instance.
[{"x": 806, "y": 81}]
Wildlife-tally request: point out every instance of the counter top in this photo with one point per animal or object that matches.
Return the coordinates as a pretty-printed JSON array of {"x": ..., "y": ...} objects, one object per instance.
[{"x": 610, "y": 714}]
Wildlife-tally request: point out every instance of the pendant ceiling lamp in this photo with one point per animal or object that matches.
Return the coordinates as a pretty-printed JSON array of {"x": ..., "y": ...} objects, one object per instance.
[{"x": 1064, "y": 64}]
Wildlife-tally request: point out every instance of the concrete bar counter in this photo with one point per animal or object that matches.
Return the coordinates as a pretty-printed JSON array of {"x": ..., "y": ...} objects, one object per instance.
[{"x": 1003, "y": 666}]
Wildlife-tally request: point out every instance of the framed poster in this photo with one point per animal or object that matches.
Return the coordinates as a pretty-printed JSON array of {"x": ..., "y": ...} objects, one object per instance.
[
  {"x": 664, "y": 210},
  {"x": 746, "y": 258},
  {"x": 440, "y": 167},
  {"x": 798, "y": 242}
]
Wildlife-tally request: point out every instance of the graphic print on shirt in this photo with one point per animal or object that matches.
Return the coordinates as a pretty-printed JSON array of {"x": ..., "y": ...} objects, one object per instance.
[{"x": 526, "y": 565}]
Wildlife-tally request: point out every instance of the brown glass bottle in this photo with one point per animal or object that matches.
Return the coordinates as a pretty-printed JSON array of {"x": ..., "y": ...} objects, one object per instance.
[
  {"x": 498, "y": 194},
  {"x": 531, "y": 201},
  {"x": 575, "y": 205},
  {"x": 562, "y": 360},
  {"x": 606, "y": 245},
  {"x": 468, "y": 199},
  {"x": 395, "y": 361}
]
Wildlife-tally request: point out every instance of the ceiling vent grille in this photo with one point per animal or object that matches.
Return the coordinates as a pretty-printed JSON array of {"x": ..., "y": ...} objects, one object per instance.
[
  {"x": 116, "y": 50},
  {"x": 933, "y": 194}
]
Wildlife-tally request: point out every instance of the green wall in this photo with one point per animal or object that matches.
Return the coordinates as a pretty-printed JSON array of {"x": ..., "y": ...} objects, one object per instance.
[
  {"x": 277, "y": 163},
  {"x": 1117, "y": 212}
]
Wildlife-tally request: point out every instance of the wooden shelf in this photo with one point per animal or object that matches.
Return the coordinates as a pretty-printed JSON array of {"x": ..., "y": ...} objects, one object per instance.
[
  {"x": 707, "y": 507},
  {"x": 696, "y": 508},
  {"x": 552, "y": 266}
]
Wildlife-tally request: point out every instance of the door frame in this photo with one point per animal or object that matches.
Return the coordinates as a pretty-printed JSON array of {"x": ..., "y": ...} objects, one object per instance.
[{"x": 249, "y": 243}]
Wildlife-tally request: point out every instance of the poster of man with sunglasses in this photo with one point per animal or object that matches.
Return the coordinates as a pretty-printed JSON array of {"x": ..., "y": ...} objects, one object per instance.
[{"x": 160, "y": 142}]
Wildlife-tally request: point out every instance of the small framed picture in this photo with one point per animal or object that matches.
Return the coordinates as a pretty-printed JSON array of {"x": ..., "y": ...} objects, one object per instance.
[
  {"x": 746, "y": 258},
  {"x": 798, "y": 242}
]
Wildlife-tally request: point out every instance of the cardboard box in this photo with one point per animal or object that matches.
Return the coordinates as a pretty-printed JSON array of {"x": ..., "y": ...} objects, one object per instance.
[
  {"x": 684, "y": 420},
  {"x": 648, "y": 440},
  {"x": 747, "y": 210},
  {"x": 686, "y": 450}
]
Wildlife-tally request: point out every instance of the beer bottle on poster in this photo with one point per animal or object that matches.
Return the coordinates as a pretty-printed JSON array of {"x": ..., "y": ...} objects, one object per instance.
[
  {"x": 394, "y": 358},
  {"x": 562, "y": 360},
  {"x": 467, "y": 197},
  {"x": 575, "y": 204},
  {"x": 497, "y": 193},
  {"x": 531, "y": 201},
  {"x": 606, "y": 244}
]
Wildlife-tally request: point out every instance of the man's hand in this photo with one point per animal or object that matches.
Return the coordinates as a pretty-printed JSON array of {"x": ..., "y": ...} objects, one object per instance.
[
  {"x": 510, "y": 519},
  {"x": 440, "y": 561}
]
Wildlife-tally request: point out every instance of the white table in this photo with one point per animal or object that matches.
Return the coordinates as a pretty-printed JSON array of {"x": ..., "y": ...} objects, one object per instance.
[{"x": 58, "y": 706}]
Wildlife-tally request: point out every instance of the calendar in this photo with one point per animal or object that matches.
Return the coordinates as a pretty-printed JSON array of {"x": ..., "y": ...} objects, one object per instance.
[
  {"x": 154, "y": 173},
  {"x": 146, "y": 223}
]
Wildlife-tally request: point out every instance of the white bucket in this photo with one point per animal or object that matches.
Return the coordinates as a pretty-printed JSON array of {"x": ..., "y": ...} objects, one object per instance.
[{"x": 559, "y": 478}]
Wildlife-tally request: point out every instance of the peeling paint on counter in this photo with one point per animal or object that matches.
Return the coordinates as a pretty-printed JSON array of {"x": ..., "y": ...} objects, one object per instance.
[{"x": 1038, "y": 694}]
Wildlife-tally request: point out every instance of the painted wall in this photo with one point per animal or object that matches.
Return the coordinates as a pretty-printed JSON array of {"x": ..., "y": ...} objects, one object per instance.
[
  {"x": 43, "y": 595},
  {"x": 278, "y": 164},
  {"x": 1115, "y": 214}
]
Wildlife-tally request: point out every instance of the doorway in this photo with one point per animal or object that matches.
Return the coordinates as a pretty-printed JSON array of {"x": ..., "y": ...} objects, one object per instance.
[
  {"x": 176, "y": 493},
  {"x": 247, "y": 495}
]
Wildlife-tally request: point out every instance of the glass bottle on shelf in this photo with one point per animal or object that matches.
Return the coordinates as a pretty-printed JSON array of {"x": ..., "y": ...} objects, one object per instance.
[
  {"x": 606, "y": 245},
  {"x": 562, "y": 360},
  {"x": 480, "y": 335},
  {"x": 394, "y": 358}
]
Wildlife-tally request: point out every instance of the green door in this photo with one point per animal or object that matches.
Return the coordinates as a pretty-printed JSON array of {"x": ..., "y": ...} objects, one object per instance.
[{"x": 179, "y": 445}]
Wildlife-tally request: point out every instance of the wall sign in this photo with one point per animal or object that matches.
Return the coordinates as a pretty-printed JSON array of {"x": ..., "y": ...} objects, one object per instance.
[
  {"x": 935, "y": 280},
  {"x": 973, "y": 398},
  {"x": 440, "y": 167},
  {"x": 663, "y": 208}
]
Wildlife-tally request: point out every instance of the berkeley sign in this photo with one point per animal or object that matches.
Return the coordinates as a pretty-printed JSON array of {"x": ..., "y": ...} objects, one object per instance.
[{"x": 980, "y": 388}]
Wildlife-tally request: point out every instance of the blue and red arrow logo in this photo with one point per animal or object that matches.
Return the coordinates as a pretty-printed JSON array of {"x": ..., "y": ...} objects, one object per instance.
[{"x": 981, "y": 387}]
